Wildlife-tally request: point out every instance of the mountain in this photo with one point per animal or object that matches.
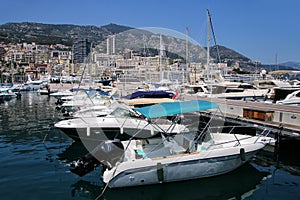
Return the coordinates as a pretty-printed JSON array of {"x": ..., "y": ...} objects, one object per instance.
[
  {"x": 293, "y": 65},
  {"x": 277, "y": 67},
  {"x": 126, "y": 39},
  {"x": 149, "y": 43},
  {"x": 55, "y": 33},
  {"x": 133, "y": 39},
  {"x": 227, "y": 54},
  {"x": 283, "y": 66}
]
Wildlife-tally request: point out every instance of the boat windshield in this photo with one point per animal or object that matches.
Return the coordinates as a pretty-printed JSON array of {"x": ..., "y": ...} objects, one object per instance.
[{"x": 121, "y": 112}]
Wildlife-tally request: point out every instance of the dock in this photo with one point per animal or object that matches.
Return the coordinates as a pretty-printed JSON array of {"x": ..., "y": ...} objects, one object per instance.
[{"x": 284, "y": 119}]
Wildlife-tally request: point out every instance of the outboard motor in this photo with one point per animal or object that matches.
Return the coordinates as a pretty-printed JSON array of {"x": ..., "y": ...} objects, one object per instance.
[{"x": 107, "y": 154}]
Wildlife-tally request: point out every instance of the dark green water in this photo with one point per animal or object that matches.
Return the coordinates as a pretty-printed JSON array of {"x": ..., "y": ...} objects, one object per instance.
[{"x": 34, "y": 161}]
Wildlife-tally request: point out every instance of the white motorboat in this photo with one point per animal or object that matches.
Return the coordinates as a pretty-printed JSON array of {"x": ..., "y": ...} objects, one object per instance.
[
  {"x": 62, "y": 93},
  {"x": 291, "y": 99},
  {"x": 239, "y": 91},
  {"x": 242, "y": 92},
  {"x": 121, "y": 122},
  {"x": 104, "y": 110},
  {"x": 7, "y": 94},
  {"x": 37, "y": 84},
  {"x": 70, "y": 104},
  {"x": 172, "y": 157},
  {"x": 269, "y": 84},
  {"x": 227, "y": 90}
]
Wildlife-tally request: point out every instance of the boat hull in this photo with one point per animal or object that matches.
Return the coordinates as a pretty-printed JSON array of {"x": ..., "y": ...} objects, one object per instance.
[
  {"x": 184, "y": 167},
  {"x": 103, "y": 128},
  {"x": 104, "y": 133}
]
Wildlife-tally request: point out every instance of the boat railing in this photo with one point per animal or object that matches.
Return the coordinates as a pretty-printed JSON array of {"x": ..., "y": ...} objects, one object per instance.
[
  {"x": 230, "y": 129},
  {"x": 238, "y": 143},
  {"x": 264, "y": 133}
]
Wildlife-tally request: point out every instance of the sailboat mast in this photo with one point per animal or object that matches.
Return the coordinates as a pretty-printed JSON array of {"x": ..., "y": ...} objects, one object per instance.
[
  {"x": 214, "y": 36},
  {"x": 160, "y": 57},
  {"x": 208, "y": 38},
  {"x": 187, "y": 46},
  {"x": 186, "y": 53},
  {"x": 209, "y": 75},
  {"x": 276, "y": 62}
]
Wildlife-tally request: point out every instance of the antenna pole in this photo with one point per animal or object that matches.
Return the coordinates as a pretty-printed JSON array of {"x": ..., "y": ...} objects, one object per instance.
[
  {"x": 160, "y": 57},
  {"x": 208, "y": 38},
  {"x": 187, "y": 46}
]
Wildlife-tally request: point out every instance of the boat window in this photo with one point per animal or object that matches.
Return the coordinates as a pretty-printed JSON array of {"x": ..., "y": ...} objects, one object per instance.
[
  {"x": 36, "y": 83},
  {"x": 298, "y": 94},
  {"x": 121, "y": 112},
  {"x": 229, "y": 90},
  {"x": 198, "y": 89},
  {"x": 246, "y": 86},
  {"x": 266, "y": 84}
]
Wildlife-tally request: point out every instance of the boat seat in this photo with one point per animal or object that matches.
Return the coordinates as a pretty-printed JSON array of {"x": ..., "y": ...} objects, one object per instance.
[
  {"x": 174, "y": 147},
  {"x": 140, "y": 153}
]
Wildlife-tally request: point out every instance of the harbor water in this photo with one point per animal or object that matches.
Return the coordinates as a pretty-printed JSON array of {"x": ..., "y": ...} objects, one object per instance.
[{"x": 34, "y": 158}]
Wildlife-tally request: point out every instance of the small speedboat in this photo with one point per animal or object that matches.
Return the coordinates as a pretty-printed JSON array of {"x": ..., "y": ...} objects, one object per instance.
[{"x": 171, "y": 157}]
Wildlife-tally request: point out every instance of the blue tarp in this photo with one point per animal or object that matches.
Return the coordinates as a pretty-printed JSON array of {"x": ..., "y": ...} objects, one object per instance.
[
  {"x": 150, "y": 94},
  {"x": 173, "y": 108}
]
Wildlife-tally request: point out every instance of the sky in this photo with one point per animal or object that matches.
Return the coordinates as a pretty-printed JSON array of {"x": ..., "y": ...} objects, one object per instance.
[{"x": 259, "y": 29}]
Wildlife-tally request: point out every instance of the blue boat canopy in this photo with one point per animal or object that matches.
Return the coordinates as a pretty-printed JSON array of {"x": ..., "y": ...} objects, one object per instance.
[{"x": 173, "y": 108}]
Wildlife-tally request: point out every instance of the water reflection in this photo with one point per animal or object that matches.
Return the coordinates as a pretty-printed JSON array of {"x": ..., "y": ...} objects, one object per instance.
[
  {"x": 72, "y": 152},
  {"x": 28, "y": 120}
]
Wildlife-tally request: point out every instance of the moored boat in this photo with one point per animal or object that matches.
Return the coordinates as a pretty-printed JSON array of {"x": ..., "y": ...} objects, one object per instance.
[
  {"x": 7, "y": 94},
  {"x": 122, "y": 121},
  {"x": 172, "y": 157},
  {"x": 291, "y": 99}
]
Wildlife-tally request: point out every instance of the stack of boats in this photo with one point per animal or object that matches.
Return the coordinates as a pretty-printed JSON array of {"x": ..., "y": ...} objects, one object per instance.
[
  {"x": 100, "y": 120},
  {"x": 152, "y": 141}
]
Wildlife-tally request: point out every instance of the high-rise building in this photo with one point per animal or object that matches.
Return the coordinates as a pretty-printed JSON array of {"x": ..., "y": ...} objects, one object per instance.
[{"x": 82, "y": 49}]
